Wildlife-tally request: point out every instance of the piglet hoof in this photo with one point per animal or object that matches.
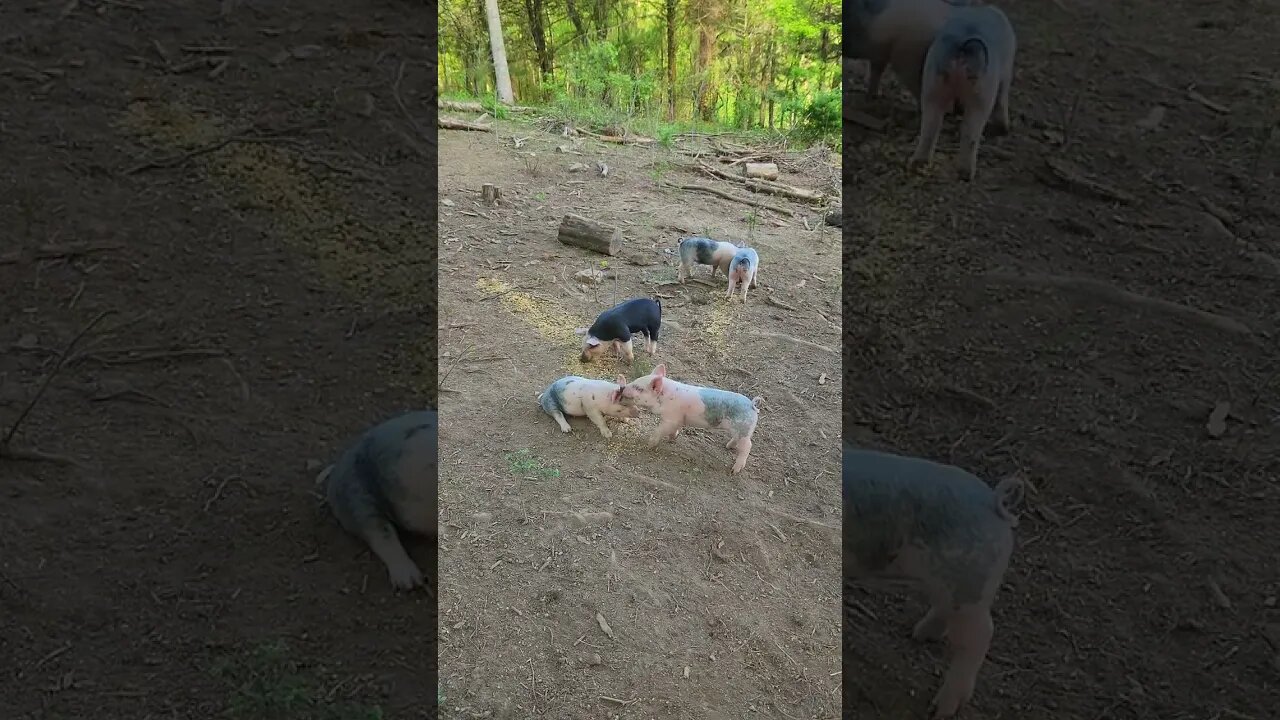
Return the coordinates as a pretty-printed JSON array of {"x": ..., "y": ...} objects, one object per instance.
[
  {"x": 947, "y": 703},
  {"x": 916, "y": 163},
  {"x": 606, "y": 432},
  {"x": 405, "y": 577}
]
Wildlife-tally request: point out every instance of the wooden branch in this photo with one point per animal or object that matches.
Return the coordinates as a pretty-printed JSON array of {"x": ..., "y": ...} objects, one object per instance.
[
  {"x": 620, "y": 139},
  {"x": 590, "y": 235},
  {"x": 765, "y": 186},
  {"x": 1102, "y": 291},
  {"x": 729, "y": 196}
]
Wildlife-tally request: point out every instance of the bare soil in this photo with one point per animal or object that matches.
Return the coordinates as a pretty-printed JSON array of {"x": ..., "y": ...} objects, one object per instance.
[
  {"x": 1146, "y": 580},
  {"x": 719, "y": 592},
  {"x": 264, "y": 234}
]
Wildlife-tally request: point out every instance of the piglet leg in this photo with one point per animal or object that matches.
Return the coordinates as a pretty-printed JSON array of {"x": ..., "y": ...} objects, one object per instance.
[
  {"x": 975, "y": 119},
  {"x": 598, "y": 420},
  {"x": 384, "y": 542},
  {"x": 666, "y": 429},
  {"x": 744, "y": 449},
  {"x": 931, "y": 112},
  {"x": 564, "y": 424},
  {"x": 933, "y": 625},
  {"x": 969, "y": 631}
]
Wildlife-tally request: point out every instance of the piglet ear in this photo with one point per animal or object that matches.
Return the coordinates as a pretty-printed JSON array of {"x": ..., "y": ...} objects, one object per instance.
[
  {"x": 661, "y": 370},
  {"x": 592, "y": 342},
  {"x": 617, "y": 395}
]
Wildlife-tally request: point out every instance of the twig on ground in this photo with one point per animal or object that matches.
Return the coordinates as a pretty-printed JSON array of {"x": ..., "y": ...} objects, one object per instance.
[
  {"x": 796, "y": 340},
  {"x": 56, "y": 252},
  {"x": 7, "y": 450},
  {"x": 183, "y": 158},
  {"x": 1103, "y": 291},
  {"x": 729, "y": 196},
  {"x": 404, "y": 110}
]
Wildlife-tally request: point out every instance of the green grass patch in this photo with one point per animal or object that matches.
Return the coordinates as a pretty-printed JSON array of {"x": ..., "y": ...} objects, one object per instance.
[
  {"x": 267, "y": 684},
  {"x": 524, "y": 462}
]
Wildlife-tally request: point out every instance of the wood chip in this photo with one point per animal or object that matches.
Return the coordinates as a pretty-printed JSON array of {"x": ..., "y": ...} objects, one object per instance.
[
  {"x": 604, "y": 625},
  {"x": 1217, "y": 424}
]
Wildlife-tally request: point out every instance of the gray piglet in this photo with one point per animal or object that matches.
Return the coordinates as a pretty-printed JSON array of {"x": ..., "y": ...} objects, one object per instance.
[
  {"x": 969, "y": 65},
  {"x": 945, "y": 531},
  {"x": 386, "y": 482}
]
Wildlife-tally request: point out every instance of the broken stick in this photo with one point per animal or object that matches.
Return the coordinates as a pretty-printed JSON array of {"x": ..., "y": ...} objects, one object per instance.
[{"x": 590, "y": 235}]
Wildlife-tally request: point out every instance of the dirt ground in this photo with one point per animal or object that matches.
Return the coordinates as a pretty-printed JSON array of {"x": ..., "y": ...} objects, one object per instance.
[
  {"x": 719, "y": 592},
  {"x": 269, "y": 296},
  {"x": 1146, "y": 579}
]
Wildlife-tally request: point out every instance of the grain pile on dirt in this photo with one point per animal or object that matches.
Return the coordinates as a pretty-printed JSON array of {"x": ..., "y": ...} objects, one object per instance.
[
  {"x": 236, "y": 182},
  {"x": 588, "y": 578},
  {"x": 1096, "y": 311}
]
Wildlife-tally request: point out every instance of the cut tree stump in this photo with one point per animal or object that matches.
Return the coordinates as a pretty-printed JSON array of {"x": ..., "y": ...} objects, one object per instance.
[
  {"x": 490, "y": 194},
  {"x": 590, "y": 235},
  {"x": 764, "y": 171}
]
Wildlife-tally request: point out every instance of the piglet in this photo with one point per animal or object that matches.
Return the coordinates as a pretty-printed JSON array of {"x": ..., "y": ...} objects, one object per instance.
[
  {"x": 894, "y": 33},
  {"x": 613, "y": 328},
  {"x": 704, "y": 251},
  {"x": 743, "y": 270},
  {"x": 384, "y": 482},
  {"x": 944, "y": 531},
  {"x": 679, "y": 405},
  {"x": 970, "y": 64},
  {"x": 596, "y": 399}
]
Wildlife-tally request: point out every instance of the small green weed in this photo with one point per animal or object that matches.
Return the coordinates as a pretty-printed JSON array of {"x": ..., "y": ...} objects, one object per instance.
[
  {"x": 266, "y": 684},
  {"x": 524, "y": 462}
]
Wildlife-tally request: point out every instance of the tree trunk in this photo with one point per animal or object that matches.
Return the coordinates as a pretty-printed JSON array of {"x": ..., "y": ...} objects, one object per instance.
[
  {"x": 502, "y": 76},
  {"x": 537, "y": 29},
  {"x": 671, "y": 60},
  {"x": 575, "y": 17}
]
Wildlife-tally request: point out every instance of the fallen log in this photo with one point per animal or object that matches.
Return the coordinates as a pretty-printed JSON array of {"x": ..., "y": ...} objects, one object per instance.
[
  {"x": 766, "y": 186},
  {"x": 590, "y": 235},
  {"x": 761, "y": 170},
  {"x": 454, "y": 124},
  {"x": 470, "y": 106}
]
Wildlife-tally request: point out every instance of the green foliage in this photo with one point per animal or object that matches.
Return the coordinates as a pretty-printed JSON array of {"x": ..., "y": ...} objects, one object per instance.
[
  {"x": 744, "y": 65},
  {"x": 820, "y": 117}
]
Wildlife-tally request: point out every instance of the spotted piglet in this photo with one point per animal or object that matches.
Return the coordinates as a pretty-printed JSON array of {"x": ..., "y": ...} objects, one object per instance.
[
  {"x": 743, "y": 271},
  {"x": 680, "y": 405},
  {"x": 597, "y": 399},
  {"x": 943, "y": 530},
  {"x": 970, "y": 64},
  {"x": 704, "y": 251}
]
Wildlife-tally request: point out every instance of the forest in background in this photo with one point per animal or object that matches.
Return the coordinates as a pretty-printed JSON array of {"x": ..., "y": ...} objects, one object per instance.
[{"x": 735, "y": 64}]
